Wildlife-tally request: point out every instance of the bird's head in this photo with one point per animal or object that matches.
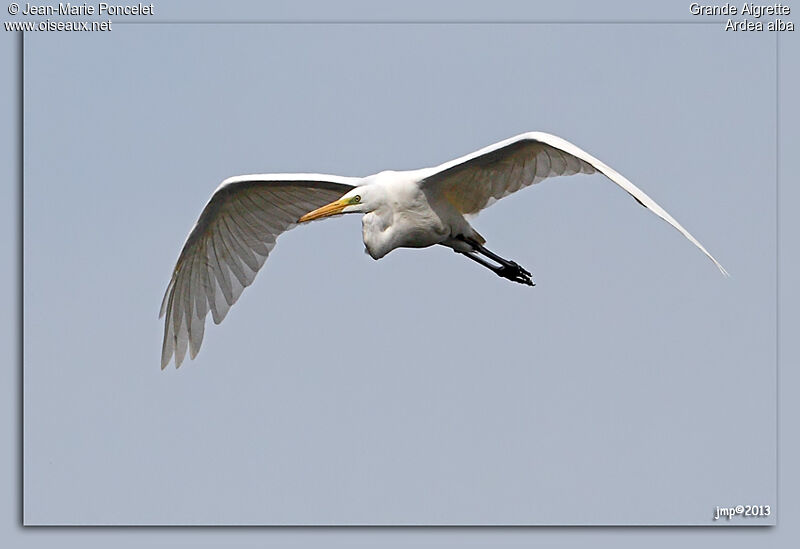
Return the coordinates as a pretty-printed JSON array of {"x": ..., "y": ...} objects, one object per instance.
[{"x": 359, "y": 200}]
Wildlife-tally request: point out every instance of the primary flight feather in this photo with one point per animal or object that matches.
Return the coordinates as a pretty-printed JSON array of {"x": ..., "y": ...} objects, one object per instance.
[{"x": 238, "y": 227}]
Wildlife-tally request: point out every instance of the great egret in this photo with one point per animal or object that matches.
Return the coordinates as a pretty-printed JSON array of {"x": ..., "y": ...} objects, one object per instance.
[{"x": 413, "y": 209}]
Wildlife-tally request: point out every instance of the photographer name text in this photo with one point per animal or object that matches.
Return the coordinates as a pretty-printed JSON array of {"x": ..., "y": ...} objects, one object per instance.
[{"x": 101, "y": 8}]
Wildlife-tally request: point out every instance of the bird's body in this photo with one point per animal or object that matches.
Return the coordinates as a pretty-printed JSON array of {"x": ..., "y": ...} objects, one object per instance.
[
  {"x": 402, "y": 209},
  {"x": 407, "y": 216}
]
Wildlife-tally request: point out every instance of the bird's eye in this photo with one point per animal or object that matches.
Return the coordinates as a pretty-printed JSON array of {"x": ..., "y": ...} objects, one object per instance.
[{"x": 356, "y": 199}]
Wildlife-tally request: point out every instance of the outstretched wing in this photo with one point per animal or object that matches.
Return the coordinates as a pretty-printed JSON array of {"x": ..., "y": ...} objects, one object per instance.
[
  {"x": 475, "y": 181},
  {"x": 228, "y": 245}
]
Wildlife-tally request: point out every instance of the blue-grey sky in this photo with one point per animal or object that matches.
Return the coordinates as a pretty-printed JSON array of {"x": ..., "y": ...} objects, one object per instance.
[{"x": 629, "y": 386}]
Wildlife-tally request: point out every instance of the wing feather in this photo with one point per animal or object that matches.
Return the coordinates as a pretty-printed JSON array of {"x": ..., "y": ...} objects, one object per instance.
[
  {"x": 477, "y": 180},
  {"x": 229, "y": 244}
]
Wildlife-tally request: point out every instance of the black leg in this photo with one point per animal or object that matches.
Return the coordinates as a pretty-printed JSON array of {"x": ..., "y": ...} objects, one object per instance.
[
  {"x": 500, "y": 260},
  {"x": 506, "y": 269}
]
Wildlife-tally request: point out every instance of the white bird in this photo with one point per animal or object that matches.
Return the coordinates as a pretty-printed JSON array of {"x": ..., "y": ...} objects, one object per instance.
[{"x": 402, "y": 209}]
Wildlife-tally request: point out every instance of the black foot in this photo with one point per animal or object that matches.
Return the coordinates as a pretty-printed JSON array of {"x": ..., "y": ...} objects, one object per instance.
[{"x": 515, "y": 273}]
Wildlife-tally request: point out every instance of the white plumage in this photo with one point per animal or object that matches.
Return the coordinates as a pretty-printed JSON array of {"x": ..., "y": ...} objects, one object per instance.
[{"x": 239, "y": 226}]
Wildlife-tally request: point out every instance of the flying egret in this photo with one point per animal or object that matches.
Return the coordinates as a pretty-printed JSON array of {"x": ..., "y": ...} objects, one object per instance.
[{"x": 409, "y": 209}]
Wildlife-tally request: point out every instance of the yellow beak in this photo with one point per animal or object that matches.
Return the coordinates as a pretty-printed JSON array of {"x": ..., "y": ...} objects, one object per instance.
[{"x": 333, "y": 208}]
